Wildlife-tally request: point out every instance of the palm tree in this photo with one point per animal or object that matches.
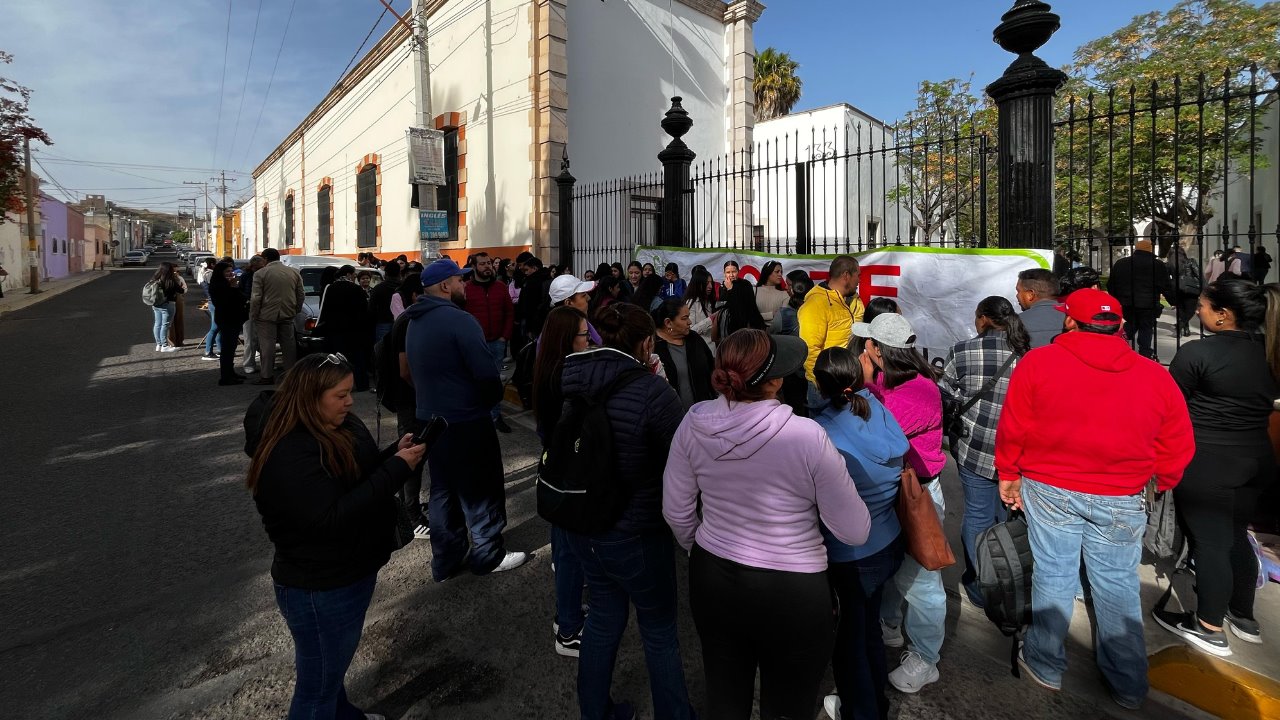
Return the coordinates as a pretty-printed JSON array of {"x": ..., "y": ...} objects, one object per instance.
[{"x": 777, "y": 87}]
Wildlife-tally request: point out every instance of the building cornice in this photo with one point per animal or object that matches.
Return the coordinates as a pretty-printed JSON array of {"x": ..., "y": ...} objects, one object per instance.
[
  {"x": 710, "y": 8},
  {"x": 749, "y": 10}
]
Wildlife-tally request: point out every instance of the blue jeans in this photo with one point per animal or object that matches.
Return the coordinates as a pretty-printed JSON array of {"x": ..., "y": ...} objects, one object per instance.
[
  {"x": 622, "y": 569},
  {"x": 498, "y": 349},
  {"x": 926, "y": 615},
  {"x": 569, "y": 581},
  {"x": 1109, "y": 530},
  {"x": 212, "y": 335},
  {"x": 326, "y": 626},
  {"x": 163, "y": 317},
  {"x": 858, "y": 662},
  {"x": 468, "y": 501},
  {"x": 982, "y": 510}
]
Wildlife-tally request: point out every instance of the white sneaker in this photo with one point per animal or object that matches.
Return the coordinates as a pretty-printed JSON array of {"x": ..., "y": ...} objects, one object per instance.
[
  {"x": 913, "y": 674},
  {"x": 158, "y": 346},
  {"x": 512, "y": 561},
  {"x": 422, "y": 532},
  {"x": 891, "y": 635},
  {"x": 168, "y": 348},
  {"x": 250, "y": 369},
  {"x": 831, "y": 704}
]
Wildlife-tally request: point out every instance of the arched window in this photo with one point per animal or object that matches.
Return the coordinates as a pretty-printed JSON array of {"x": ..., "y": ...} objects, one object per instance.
[
  {"x": 288, "y": 220},
  {"x": 367, "y": 206},
  {"x": 266, "y": 230},
  {"x": 324, "y": 216}
]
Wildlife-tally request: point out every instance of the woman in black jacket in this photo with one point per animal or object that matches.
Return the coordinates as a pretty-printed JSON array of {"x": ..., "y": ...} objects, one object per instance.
[
  {"x": 686, "y": 359},
  {"x": 229, "y": 313},
  {"x": 564, "y": 333},
  {"x": 325, "y": 494},
  {"x": 346, "y": 323},
  {"x": 632, "y": 561}
]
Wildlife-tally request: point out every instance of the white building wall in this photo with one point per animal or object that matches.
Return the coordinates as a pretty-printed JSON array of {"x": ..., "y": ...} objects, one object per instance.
[
  {"x": 627, "y": 58},
  {"x": 250, "y": 243}
]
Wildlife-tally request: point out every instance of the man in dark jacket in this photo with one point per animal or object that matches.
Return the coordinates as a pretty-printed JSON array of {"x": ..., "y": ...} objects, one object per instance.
[
  {"x": 380, "y": 301},
  {"x": 1138, "y": 282},
  {"x": 535, "y": 297},
  {"x": 1261, "y": 264},
  {"x": 454, "y": 378},
  {"x": 489, "y": 303},
  {"x": 249, "y": 332}
]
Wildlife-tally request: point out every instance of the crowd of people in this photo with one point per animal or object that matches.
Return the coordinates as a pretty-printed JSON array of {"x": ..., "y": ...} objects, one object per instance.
[{"x": 764, "y": 428}]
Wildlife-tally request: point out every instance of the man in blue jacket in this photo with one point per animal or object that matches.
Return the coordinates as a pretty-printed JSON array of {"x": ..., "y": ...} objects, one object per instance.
[{"x": 454, "y": 377}]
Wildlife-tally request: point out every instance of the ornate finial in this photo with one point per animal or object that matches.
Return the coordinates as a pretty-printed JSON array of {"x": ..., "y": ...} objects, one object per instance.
[
  {"x": 564, "y": 159},
  {"x": 1026, "y": 26},
  {"x": 676, "y": 122}
]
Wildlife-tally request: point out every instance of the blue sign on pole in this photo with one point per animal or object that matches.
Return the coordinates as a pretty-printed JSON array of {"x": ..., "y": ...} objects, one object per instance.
[{"x": 433, "y": 224}]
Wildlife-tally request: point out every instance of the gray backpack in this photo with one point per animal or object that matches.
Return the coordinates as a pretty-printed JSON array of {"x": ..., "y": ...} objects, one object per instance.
[{"x": 153, "y": 293}]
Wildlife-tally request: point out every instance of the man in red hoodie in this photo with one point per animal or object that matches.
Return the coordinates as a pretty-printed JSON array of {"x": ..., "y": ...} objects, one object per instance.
[
  {"x": 490, "y": 303},
  {"x": 1086, "y": 424}
]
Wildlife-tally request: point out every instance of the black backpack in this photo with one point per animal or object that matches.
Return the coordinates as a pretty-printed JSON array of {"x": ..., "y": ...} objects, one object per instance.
[
  {"x": 386, "y": 363},
  {"x": 522, "y": 378},
  {"x": 577, "y": 484},
  {"x": 1004, "y": 578}
]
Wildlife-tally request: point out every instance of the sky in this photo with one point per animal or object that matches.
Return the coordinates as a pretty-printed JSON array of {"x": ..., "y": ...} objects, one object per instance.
[{"x": 138, "y": 100}]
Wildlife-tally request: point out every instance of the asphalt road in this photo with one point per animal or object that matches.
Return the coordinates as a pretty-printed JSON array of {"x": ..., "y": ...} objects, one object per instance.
[{"x": 134, "y": 577}]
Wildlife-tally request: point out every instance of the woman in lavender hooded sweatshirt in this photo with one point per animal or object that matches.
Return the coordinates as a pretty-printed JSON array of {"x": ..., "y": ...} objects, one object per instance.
[{"x": 758, "y": 582}]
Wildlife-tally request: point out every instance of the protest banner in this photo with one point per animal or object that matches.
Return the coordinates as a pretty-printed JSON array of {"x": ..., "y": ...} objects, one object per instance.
[{"x": 937, "y": 289}]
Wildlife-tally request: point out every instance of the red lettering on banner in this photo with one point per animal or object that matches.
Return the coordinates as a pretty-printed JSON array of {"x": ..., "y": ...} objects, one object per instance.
[{"x": 867, "y": 290}]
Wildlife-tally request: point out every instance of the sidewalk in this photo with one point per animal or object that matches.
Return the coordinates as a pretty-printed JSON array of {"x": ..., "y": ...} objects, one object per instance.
[{"x": 20, "y": 298}]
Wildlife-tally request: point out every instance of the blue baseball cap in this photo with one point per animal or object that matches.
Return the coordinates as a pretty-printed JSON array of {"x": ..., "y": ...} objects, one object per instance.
[{"x": 439, "y": 271}]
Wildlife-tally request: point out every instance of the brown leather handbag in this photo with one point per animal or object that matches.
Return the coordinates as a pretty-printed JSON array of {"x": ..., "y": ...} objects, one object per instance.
[{"x": 926, "y": 542}]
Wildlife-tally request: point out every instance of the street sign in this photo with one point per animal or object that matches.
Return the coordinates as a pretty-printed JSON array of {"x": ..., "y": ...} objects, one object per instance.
[{"x": 433, "y": 224}]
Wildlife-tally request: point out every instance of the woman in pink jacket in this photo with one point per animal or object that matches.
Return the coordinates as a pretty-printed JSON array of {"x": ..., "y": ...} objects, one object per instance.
[
  {"x": 758, "y": 582},
  {"x": 907, "y": 385}
]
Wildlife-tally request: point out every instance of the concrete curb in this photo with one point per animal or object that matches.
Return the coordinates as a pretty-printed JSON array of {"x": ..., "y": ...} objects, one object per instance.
[
  {"x": 1216, "y": 686},
  {"x": 21, "y": 298}
]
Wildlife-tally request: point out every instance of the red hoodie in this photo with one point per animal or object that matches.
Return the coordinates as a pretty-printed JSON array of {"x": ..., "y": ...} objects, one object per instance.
[{"x": 1088, "y": 414}]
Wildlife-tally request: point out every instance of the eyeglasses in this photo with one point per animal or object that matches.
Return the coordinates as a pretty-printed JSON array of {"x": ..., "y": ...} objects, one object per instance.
[
  {"x": 582, "y": 334},
  {"x": 336, "y": 358}
]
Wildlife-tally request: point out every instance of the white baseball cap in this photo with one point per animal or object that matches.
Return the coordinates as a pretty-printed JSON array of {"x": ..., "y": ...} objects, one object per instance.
[{"x": 566, "y": 286}]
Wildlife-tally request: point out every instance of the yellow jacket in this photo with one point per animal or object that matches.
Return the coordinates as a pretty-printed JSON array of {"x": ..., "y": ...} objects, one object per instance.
[{"x": 825, "y": 321}]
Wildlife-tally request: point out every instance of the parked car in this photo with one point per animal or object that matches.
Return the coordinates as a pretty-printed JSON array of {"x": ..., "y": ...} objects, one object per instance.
[
  {"x": 311, "y": 267},
  {"x": 135, "y": 257},
  {"x": 196, "y": 260}
]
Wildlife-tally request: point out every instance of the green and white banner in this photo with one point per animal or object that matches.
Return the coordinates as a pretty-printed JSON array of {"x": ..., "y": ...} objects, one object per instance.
[{"x": 937, "y": 289}]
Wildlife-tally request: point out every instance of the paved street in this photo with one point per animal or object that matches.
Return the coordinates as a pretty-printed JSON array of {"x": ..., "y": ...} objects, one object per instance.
[{"x": 135, "y": 577}]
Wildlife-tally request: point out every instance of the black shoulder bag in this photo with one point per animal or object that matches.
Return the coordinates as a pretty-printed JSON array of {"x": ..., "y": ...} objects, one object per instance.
[{"x": 953, "y": 420}]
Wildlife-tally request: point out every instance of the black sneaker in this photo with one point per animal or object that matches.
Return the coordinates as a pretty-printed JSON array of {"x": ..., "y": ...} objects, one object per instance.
[
  {"x": 502, "y": 425},
  {"x": 569, "y": 645},
  {"x": 1246, "y": 629},
  {"x": 1188, "y": 627}
]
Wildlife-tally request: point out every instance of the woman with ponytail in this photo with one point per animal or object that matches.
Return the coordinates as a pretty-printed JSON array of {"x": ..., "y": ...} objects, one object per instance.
[
  {"x": 1231, "y": 379},
  {"x": 872, "y": 444},
  {"x": 746, "y": 485},
  {"x": 971, "y": 366}
]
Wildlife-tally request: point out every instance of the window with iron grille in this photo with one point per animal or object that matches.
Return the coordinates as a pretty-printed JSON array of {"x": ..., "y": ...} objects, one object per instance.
[
  {"x": 367, "y": 207},
  {"x": 447, "y": 194},
  {"x": 324, "y": 213},
  {"x": 288, "y": 221},
  {"x": 266, "y": 230}
]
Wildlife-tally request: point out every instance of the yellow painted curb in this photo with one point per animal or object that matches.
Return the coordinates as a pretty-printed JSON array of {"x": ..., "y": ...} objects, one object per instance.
[{"x": 1213, "y": 685}]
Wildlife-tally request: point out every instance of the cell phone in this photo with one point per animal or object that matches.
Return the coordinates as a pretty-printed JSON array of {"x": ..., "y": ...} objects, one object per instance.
[{"x": 431, "y": 431}]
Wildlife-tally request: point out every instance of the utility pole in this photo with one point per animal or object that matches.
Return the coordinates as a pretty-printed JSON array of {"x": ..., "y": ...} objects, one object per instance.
[
  {"x": 33, "y": 247},
  {"x": 222, "y": 209},
  {"x": 205, "y": 186}
]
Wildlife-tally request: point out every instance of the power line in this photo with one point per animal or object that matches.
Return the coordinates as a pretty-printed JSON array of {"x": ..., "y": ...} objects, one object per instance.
[
  {"x": 226, "y": 45},
  {"x": 51, "y": 158},
  {"x": 356, "y": 54},
  {"x": 267, "y": 94},
  {"x": 67, "y": 194},
  {"x": 244, "y": 88}
]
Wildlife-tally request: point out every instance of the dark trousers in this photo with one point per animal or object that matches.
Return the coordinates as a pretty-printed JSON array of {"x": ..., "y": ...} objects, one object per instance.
[
  {"x": 569, "y": 582},
  {"x": 1140, "y": 325},
  {"x": 858, "y": 662},
  {"x": 1216, "y": 499},
  {"x": 624, "y": 569},
  {"x": 468, "y": 501},
  {"x": 326, "y": 626},
  {"x": 411, "y": 493},
  {"x": 229, "y": 337},
  {"x": 1187, "y": 305},
  {"x": 783, "y": 623},
  {"x": 355, "y": 347}
]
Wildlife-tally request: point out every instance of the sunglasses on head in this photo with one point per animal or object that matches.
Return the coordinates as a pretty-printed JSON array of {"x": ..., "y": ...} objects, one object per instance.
[{"x": 336, "y": 358}]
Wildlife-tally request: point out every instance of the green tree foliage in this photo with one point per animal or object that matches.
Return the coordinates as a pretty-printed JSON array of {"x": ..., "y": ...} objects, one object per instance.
[
  {"x": 776, "y": 85},
  {"x": 940, "y": 163},
  {"x": 1157, "y": 111},
  {"x": 180, "y": 237},
  {"x": 15, "y": 126}
]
